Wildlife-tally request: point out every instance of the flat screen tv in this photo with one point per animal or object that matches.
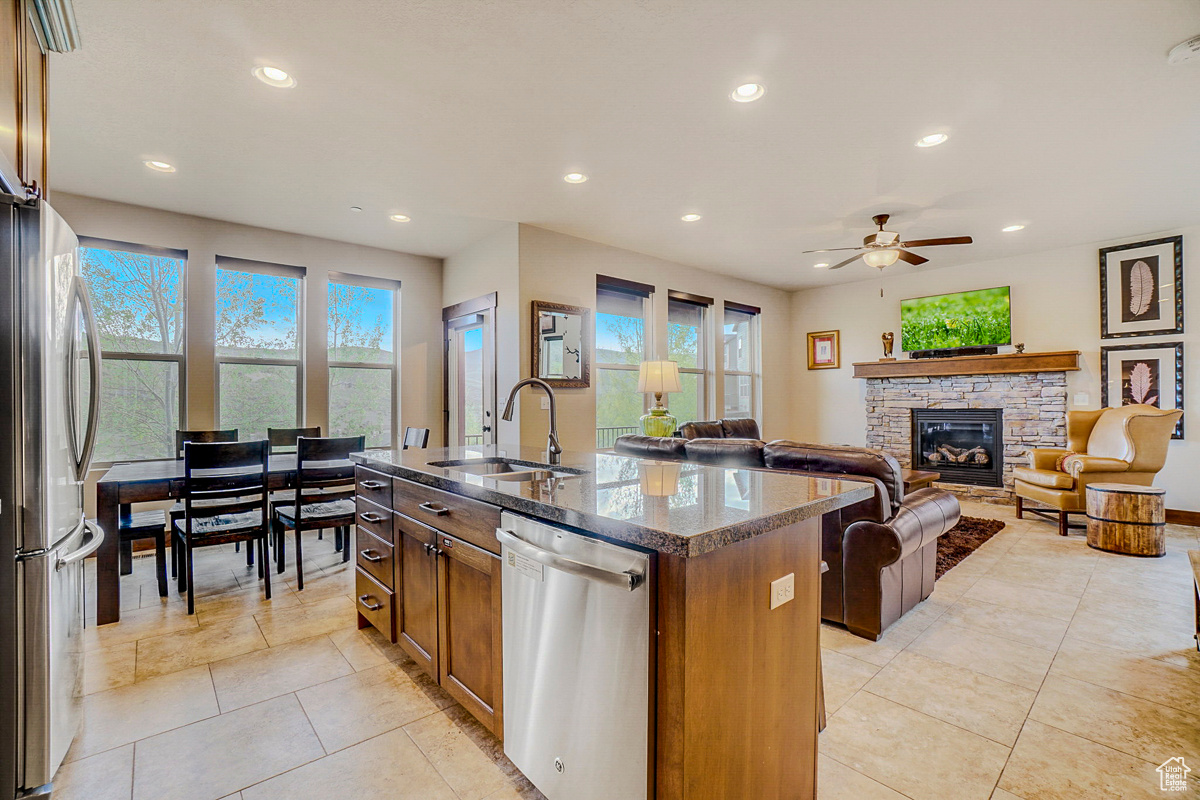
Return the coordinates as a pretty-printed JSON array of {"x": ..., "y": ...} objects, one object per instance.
[{"x": 978, "y": 318}]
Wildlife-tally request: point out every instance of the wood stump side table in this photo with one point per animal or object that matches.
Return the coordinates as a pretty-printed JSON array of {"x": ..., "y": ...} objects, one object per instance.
[{"x": 1128, "y": 519}]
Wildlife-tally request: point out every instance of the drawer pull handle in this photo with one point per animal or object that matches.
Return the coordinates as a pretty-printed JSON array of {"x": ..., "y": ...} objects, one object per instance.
[
  {"x": 371, "y": 517},
  {"x": 437, "y": 511},
  {"x": 370, "y": 555},
  {"x": 372, "y": 485},
  {"x": 370, "y": 606}
]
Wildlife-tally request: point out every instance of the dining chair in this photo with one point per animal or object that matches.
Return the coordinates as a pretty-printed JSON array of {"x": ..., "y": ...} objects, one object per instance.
[
  {"x": 225, "y": 499},
  {"x": 283, "y": 440},
  {"x": 320, "y": 464},
  {"x": 150, "y": 524},
  {"x": 416, "y": 437},
  {"x": 176, "y": 512}
]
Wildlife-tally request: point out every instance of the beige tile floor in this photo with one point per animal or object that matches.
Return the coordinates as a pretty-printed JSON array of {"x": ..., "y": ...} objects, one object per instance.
[{"x": 1038, "y": 669}]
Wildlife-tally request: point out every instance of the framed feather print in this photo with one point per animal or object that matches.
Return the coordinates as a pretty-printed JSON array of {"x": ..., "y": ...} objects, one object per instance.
[
  {"x": 1150, "y": 373},
  {"x": 1141, "y": 288}
]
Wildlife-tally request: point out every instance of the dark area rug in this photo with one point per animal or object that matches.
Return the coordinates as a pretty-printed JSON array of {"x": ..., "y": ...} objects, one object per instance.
[{"x": 963, "y": 539}]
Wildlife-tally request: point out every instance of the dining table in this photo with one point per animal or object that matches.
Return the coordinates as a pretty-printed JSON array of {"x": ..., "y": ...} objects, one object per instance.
[{"x": 147, "y": 482}]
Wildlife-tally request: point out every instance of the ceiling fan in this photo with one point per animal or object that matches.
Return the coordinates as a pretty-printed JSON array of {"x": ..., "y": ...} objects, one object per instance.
[{"x": 884, "y": 248}]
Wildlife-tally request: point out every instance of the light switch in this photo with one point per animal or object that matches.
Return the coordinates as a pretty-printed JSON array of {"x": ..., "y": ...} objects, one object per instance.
[
  {"x": 783, "y": 590},
  {"x": 545, "y": 403},
  {"x": 1081, "y": 399}
]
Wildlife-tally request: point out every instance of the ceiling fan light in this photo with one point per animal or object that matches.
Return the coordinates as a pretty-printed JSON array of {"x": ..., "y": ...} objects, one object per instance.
[{"x": 881, "y": 258}]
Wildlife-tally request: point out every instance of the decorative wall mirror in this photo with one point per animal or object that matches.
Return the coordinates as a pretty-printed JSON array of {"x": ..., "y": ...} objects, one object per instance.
[{"x": 561, "y": 344}]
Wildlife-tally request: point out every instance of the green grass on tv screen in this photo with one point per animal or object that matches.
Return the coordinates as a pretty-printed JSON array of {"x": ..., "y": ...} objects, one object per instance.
[{"x": 964, "y": 319}]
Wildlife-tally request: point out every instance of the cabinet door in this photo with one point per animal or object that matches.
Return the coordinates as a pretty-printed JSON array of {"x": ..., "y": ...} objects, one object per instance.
[
  {"x": 469, "y": 644},
  {"x": 416, "y": 592}
]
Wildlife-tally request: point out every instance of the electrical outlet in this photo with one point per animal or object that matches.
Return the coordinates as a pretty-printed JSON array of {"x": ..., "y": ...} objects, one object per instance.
[
  {"x": 545, "y": 403},
  {"x": 1082, "y": 399},
  {"x": 783, "y": 590}
]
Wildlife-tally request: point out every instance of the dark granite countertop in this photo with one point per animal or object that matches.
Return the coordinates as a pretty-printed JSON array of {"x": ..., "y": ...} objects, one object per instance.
[{"x": 679, "y": 508}]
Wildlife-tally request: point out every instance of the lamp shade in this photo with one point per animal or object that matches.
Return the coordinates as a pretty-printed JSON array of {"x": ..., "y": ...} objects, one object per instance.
[
  {"x": 659, "y": 478},
  {"x": 658, "y": 377},
  {"x": 881, "y": 258}
]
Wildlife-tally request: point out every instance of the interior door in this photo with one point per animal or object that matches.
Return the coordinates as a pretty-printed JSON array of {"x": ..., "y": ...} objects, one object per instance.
[{"x": 471, "y": 380}]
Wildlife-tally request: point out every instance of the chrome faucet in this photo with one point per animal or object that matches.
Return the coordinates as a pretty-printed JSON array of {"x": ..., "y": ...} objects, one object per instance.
[{"x": 553, "y": 448}]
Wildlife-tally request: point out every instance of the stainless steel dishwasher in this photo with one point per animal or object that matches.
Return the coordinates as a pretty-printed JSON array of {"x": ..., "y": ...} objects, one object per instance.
[{"x": 576, "y": 662}]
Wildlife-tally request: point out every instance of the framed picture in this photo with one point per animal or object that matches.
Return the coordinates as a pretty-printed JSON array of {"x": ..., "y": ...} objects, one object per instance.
[
  {"x": 1141, "y": 288},
  {"x": 1150, "y": 373},
  {"x": 824, "y": 351}
]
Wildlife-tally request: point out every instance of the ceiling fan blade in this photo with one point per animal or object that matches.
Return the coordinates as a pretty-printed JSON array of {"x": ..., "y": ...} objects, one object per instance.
[
  {"x": 911, "y": 258},
  {"x": 844, "y": 263},
  {"x": 935, "y": 242},
  {"x": 832, "y": 250}
]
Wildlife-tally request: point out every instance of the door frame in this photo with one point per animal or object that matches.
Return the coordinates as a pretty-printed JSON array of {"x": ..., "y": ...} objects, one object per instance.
[{"x": 468, "y": 308}]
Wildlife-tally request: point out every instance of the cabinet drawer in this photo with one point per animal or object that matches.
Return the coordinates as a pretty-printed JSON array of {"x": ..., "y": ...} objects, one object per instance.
[
  {"x": 375, "y": 556},
  {"x": 373, "y": 518},
  {"x": 374, "y": 602},
  {"x": 470, "y": 520},
  {"x": 375, "y": 486}
]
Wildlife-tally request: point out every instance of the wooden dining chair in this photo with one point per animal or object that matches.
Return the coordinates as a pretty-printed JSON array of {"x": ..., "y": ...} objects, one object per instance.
[
  {"x": 416, "y": 437},
  {"x": 150, "y": 524},
  {"x": 176, "y": 512},
  {"x": 321, "y": 464},
  {"x": 225, "y": 499},
  {"x": 283, "y": 440}
]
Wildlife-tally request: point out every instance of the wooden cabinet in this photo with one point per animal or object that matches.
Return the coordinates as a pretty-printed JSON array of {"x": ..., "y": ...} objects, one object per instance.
[
  {"x": 22, "y": 96},
  {"x": 441, "y": 596}
]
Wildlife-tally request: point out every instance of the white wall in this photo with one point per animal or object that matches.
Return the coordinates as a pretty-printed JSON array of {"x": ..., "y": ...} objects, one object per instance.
[
  {"x": 562, "y": 269},
  {"x": 492, "y": 265},
  {"x": 1055, "y": 306},
  {"x": 204, "y": 239}
]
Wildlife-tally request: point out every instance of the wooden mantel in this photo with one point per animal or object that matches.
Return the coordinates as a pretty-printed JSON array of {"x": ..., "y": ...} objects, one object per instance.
[{"x": 1000, "y": 364}]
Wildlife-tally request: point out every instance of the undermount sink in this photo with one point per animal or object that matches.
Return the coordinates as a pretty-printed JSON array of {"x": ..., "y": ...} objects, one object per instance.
[{"x": 509, "y": 469}]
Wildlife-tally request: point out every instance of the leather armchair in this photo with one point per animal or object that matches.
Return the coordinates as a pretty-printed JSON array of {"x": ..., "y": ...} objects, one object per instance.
[{"x": 1121, "y": 445}]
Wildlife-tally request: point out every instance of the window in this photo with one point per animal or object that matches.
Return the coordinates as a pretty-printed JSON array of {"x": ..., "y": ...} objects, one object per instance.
[
  {"x": 258, "y": 336},
  {"x": 139, "y": 301},
  {"x": 687, "y": 344},
  {"x": 741, "y": 360},
  {"x": 362, "y": 358},
  {"x": 622, "y": 312}
]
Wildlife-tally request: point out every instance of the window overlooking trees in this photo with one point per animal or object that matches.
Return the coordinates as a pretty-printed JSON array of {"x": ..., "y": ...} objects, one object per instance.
[
  {"x": 621, "y": 322},
  {"x": 687, "y": 344},
  {"x": 138, "y": 297},
  {"x": 362, "y": 358},
  {"x": 741, "y": 360},
  {"x": 258, "y": 344}
]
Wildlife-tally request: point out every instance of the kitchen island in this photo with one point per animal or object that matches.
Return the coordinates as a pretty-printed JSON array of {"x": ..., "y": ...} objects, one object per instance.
[{"x": 732, "y": 635}]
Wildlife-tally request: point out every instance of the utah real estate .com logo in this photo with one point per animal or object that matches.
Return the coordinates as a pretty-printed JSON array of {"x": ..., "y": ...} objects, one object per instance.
[{"x": 1173, "y": 775}]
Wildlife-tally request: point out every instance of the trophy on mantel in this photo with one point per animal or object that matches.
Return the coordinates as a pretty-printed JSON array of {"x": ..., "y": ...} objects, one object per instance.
[{"x": 889, "y": 339}]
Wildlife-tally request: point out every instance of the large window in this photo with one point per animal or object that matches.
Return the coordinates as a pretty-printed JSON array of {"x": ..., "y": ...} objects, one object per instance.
[
  {"x": 741, "y": 360},
  {"x": 622, "y": 314},
  {"x": 688, "y": 345},
  {"x": 362, "y": 358},
  {"x": 139, "y": 301},
  {"x": 260, "y": 376}
]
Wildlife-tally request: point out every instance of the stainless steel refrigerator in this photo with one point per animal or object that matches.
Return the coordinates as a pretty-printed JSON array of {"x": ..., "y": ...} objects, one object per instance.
[{"x": 49, "y": 406}]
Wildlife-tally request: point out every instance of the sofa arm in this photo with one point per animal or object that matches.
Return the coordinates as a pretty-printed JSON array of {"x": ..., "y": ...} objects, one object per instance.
[
  {"x": 1076, "y": 465},
  {"x": 923, "y": 516},
  {"x": 1046, "y": 457}
]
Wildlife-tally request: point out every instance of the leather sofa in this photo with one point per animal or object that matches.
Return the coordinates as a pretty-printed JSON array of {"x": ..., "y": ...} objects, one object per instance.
[
  {"x": 721, "y": 429},
  {"x": 1118, "y": 445},
  {"x": 881, "y": 552}
]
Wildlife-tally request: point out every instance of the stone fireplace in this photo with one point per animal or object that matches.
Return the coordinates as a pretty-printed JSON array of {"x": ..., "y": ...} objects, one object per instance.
[{"x": 1031, "y": 406}]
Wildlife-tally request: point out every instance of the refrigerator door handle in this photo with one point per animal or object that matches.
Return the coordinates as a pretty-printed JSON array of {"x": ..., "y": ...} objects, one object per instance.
[
  {"x": 92, "y": 539},
  {"x": 87, "y": 447}
]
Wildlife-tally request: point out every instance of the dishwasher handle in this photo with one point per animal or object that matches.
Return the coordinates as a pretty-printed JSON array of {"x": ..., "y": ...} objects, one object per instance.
[{"x": 626, "y": 580}]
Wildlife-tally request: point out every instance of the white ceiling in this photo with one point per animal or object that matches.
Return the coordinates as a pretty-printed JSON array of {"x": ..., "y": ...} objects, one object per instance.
[{"x": 1063, "y": 115}]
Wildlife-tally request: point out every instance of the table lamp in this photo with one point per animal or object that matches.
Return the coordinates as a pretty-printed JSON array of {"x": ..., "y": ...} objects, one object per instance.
[{"x": 658, "y": 377}]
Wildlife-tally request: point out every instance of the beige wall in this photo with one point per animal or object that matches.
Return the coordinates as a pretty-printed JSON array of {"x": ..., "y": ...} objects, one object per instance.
[
  {"x": 492, "y": 265},
  {"x": 1055, "y": 306},
  {"x": 204, "y": 239},
  {"x": 562, "y": 269}
]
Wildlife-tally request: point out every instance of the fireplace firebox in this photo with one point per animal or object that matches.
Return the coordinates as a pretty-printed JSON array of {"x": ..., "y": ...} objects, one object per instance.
[{"x": 966, "y": 445}]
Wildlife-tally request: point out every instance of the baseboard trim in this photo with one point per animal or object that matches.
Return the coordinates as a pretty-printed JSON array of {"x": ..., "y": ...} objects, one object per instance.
[{"x": 1180, "y": 517}]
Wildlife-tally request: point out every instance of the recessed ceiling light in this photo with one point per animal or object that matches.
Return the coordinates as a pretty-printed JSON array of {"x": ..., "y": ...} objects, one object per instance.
[
  {"x": 932, "y": 140},
  {"x": 822, "y": 265},
  {"x": 273, "y": 76},
  {"x": 356, "y": 209},
  {"x": 748, "y": 92},
  {"x": 690, "y": 217},
  {"x": 1012, "y": 228},
  {"x": 574, "y": 177},
  {"x": 400, "y": 218},
  {"x": 160, "y": 166}
]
